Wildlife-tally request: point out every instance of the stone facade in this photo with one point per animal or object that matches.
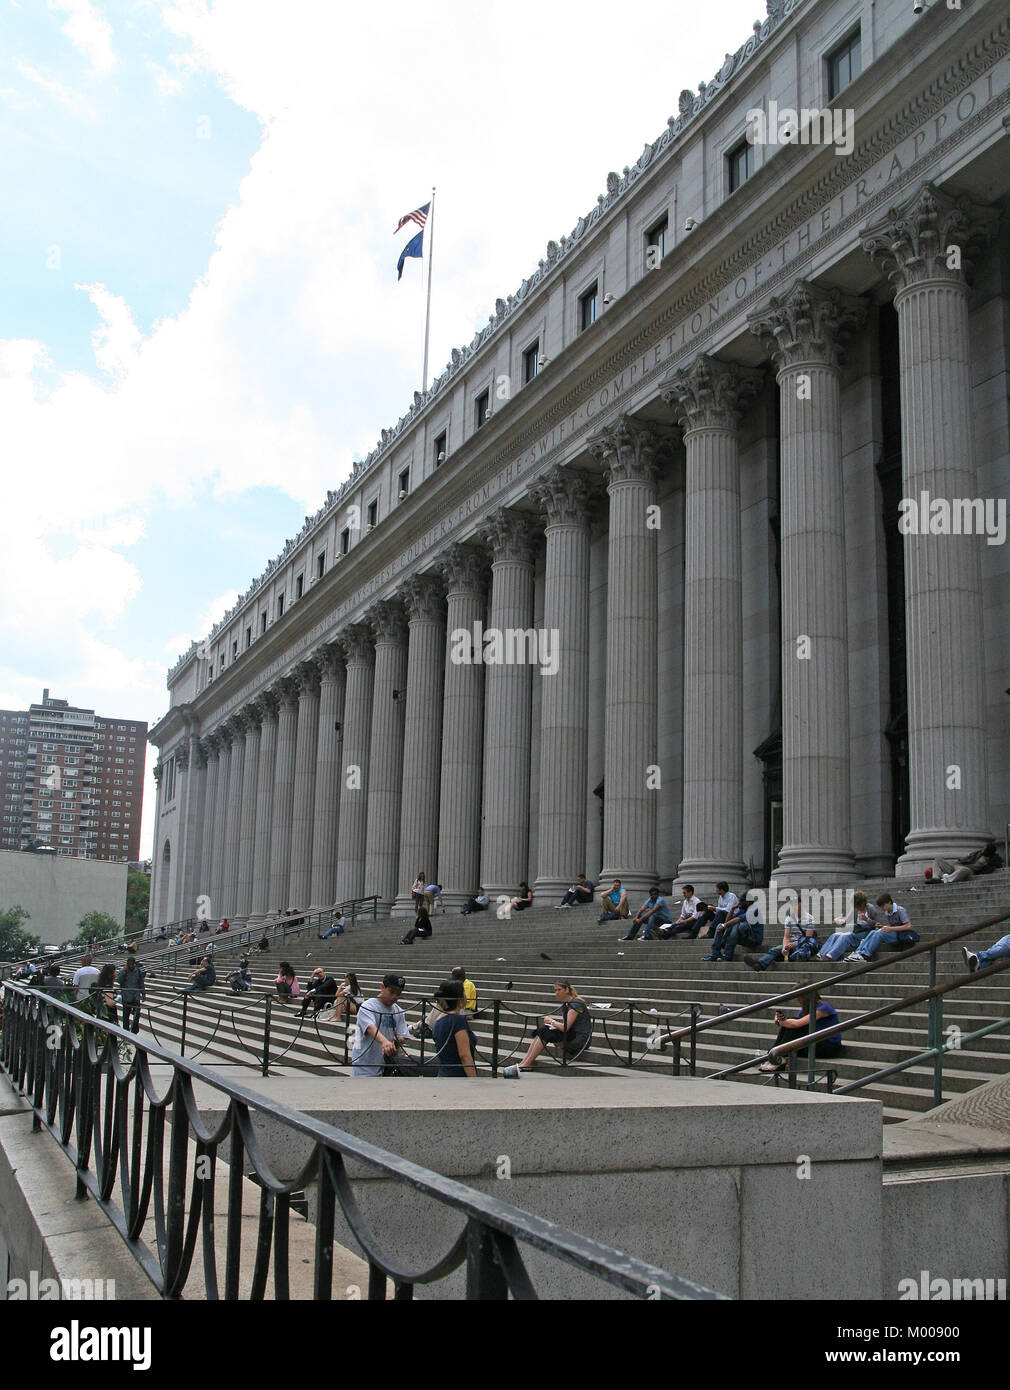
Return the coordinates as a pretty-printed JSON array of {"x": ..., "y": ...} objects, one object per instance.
[{"x": 685, "y": 604}]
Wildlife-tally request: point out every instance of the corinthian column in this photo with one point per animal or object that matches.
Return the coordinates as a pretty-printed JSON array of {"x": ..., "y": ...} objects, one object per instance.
[
  {"x": 706, "y": 398},
  {"x": 629, "y": 453},
  {"x": 508, "y": 711},
  {"x": 563, "y": 496},
  {"x": 805, "y": 329},
  {"x": 325, "y": 815},
  {"x": 266, "y": 707},
  {"x": 204, "y": 866},
  {"x": 247, "y": 820},
  {"x": 237, "y": 728},
  {"x": 464, "y": 572},
  {"x": 304, "y": 796},
  {"x": 948, "y": 781},
  {"x": 195, "y": 806},
  {"x": 422, "y": 735},
  {"x": 382, "y": 836},
  {"x": 287, "y": 691},
  {"x": 218, "y": 906},
  {"x": 357, "y": 734}
]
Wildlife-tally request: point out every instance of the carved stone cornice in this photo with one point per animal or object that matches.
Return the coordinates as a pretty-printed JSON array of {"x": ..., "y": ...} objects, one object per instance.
[
  {"x": 329, "y": 658},
  {"x": 563, "y": 494},
  {"x": 388, "y": 622},
  {"x": 424, "y": 598},
  {"x": 912, "y": 244},
  {"x": 358, "y": 647},
  {"x": 808, "y": 325},
  {"x": 629, "y": 450},
  {"x": 510, "y": 536},
  {"x": 709, "y": 394},
  {"x": 463, "y": 569}
]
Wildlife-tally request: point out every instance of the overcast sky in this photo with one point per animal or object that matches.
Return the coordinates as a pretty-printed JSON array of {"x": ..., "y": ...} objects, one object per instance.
[{"x": 200, "y": 323}]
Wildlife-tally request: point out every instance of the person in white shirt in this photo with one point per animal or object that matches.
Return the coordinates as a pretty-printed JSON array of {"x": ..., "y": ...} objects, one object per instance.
[
  {"x": 715, "y": 917},
  {"x": 84, "y": 977},
  {"x": 380, "y": 1026},
  {"x": 799, "y": 940},
  {"x": 690, "y": 911}
]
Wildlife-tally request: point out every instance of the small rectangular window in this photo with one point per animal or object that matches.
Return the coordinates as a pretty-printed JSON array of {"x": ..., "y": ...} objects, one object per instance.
[
  {"x": 320, "y": 565},
  {"x": 404, "y": 484},
  {"x": 481, "y": 408},
  {"x": 263, "y": 621},
  {"x": 280, "y": 605},
  {"x": 234, "y": 650},
  {"x": 345, "y": 541},
  {"x": 587, "y": 308},
  {"x": 740, "y": 161},
  {"x": 655, "y": 243},
  {"x": 372, "y": 514},
  {"x": 299, "y": 585},
  {"x": 440, "y": 448},
  {"x": 531, "y": 362},
  {"x": 844, "y": 65},
  {"x": 248, "y": 638}
]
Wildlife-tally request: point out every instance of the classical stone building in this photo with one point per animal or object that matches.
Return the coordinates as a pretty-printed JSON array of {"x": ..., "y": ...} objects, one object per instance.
[{"x": 735, "y": 455}]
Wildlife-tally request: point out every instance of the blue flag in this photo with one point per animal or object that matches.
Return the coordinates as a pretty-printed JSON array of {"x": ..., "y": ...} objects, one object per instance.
[{"x": 414, "y": 247}]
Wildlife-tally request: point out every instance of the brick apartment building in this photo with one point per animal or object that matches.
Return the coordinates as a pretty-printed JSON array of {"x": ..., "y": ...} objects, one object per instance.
[{"x": 71, "y": 779}]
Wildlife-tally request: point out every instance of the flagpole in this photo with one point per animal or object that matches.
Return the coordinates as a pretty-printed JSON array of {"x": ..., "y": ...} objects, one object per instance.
[{"x": 427, "y": 316}]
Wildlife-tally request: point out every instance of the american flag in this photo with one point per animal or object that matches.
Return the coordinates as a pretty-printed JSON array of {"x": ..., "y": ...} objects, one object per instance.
[{"x": 419, "y": 215}]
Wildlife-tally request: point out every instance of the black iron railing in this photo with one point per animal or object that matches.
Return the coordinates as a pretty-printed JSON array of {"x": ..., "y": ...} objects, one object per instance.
[{"x": 123, "y": 1129}]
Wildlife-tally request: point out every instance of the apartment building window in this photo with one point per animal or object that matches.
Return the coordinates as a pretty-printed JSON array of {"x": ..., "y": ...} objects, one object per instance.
[
  {"x": 320, "y": 565},
  {"x": 280, "y": 605},
  {"x": 481, "y": 408},
  {"x": 299, "y": 585},
  {"x": 845, "y": 63},
  {"x": 655, "y": 242},
  {"x": 372, "y": 513},
  {"x": 404, "y": 482},
  {"x": 531, "y": 362},
  {"x": 740, "y": 164},
  {"x": 345, "y": 541},
  {"x": 441, "y": 448},
  {"x": 588, "y": 308}
]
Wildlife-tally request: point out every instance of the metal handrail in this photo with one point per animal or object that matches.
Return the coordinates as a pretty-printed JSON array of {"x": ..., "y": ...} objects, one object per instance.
[{"x": 79, "y": 1090}]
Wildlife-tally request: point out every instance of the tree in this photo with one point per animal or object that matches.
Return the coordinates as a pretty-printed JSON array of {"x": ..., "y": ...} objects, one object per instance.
[
  {"x": 14, "y": 941},
  {"x": 138, "y": 898},
  {"x": 97, "y": 924}
]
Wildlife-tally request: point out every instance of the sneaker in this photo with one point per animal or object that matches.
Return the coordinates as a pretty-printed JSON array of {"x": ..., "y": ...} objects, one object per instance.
[
  {"x": 710, "y": 957},
  {"x": 511, "y": 1073},
  {"x": 754, "y": 962},
  {"x": 970, "y": 959},
  {"x": 854, "y": 955}
]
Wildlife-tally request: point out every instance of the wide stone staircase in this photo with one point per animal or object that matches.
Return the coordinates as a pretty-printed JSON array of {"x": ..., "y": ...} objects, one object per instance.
[{"x": 518, "y": 960}]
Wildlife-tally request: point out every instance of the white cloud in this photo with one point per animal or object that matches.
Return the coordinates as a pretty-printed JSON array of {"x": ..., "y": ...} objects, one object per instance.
[
  {"x": 117, "y": 338},
  {"x": 90, "y": 33},
  {"x": 48, "y": 84}
]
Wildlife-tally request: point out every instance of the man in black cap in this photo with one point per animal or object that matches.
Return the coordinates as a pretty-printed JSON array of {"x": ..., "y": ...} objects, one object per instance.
[{"x": 379, "y": 1029}]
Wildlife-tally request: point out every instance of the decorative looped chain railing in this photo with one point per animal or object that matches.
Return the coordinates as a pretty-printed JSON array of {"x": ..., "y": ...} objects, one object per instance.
[{"x": 124, "y": 1127}]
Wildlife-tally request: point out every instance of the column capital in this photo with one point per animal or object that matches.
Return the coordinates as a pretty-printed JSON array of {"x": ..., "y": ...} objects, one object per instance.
[
  {"x": 306, "y": 673},
  {"x": 199, "y": 752},
  {"x": 808, "y": 324},
  {"x": 329, "y": 659},
  {"x": 157, "y": 770},
  {"x": 213, "y": 743},
  {"x": 236, "y": 724},
  {"x": 562, "y": 494},
  {"x": 267, "y": 703},
  {"x": 285, "y": 691},
  {"x": 510, "y": 536},
  {"x": 423, "y": 597},
  {"x": 710, "y": 394},
  {"x": 387, "y": 621},
  {"x": 628, "y": 450},
  {"x": 913, "y": 243},
  {"x": 463, "y": 569},
  {"x": 182, "y": 757},
  {"x": 357, "y": 645}
]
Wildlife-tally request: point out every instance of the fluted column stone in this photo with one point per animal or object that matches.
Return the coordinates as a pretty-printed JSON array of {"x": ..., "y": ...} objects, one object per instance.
[
  {"x": 508, "y": 688},
  {"x": 805, "y": 329},
  {"x": 237, "y": 727},
  {"x": 422, "y": 734},
  {"x": 706, "y": 397},
  {"x": 287, "y": 691},
  {"x": 247, "y": 820},
  {"x": 629, "y": 452},
  {"x": 926, "y": 248},
  {"x": 325, "y": 818},
  {"x": 359, "y": 655},
  {"x": 203, "y": 879},
  {"x": 195, "y": 807},
  {"x": 464, "y": 573},
  {"x": 385, "y": 774},
  {"x": 563, "y": 496},
  {"x": 217, "y": 905},
  {"x": 303, "y": 800},
  {"x": 267, "y": 707}
]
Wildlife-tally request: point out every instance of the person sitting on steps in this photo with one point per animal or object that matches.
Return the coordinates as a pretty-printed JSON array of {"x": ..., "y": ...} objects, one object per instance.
[
  {"x": 421, "y": 928},
  {"x": 580, "y": 893},
  {"x": 614, "y": 903},
  {"x": 523, "y": 899},
  {"x": 571, "y": 1028},
  {"x": 831, "y": 1046},
  {"x": 480, "y": 902},
  {"x": 743, "y": 927}
]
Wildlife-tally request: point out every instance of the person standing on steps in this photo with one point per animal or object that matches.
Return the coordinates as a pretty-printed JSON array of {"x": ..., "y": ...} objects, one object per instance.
[
  {"x": 454, "y": 1040},
  {"x": 132, "y": 991},
  {"x": 380, "y": 1028},
  {"x": 417, "y": 890}
]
